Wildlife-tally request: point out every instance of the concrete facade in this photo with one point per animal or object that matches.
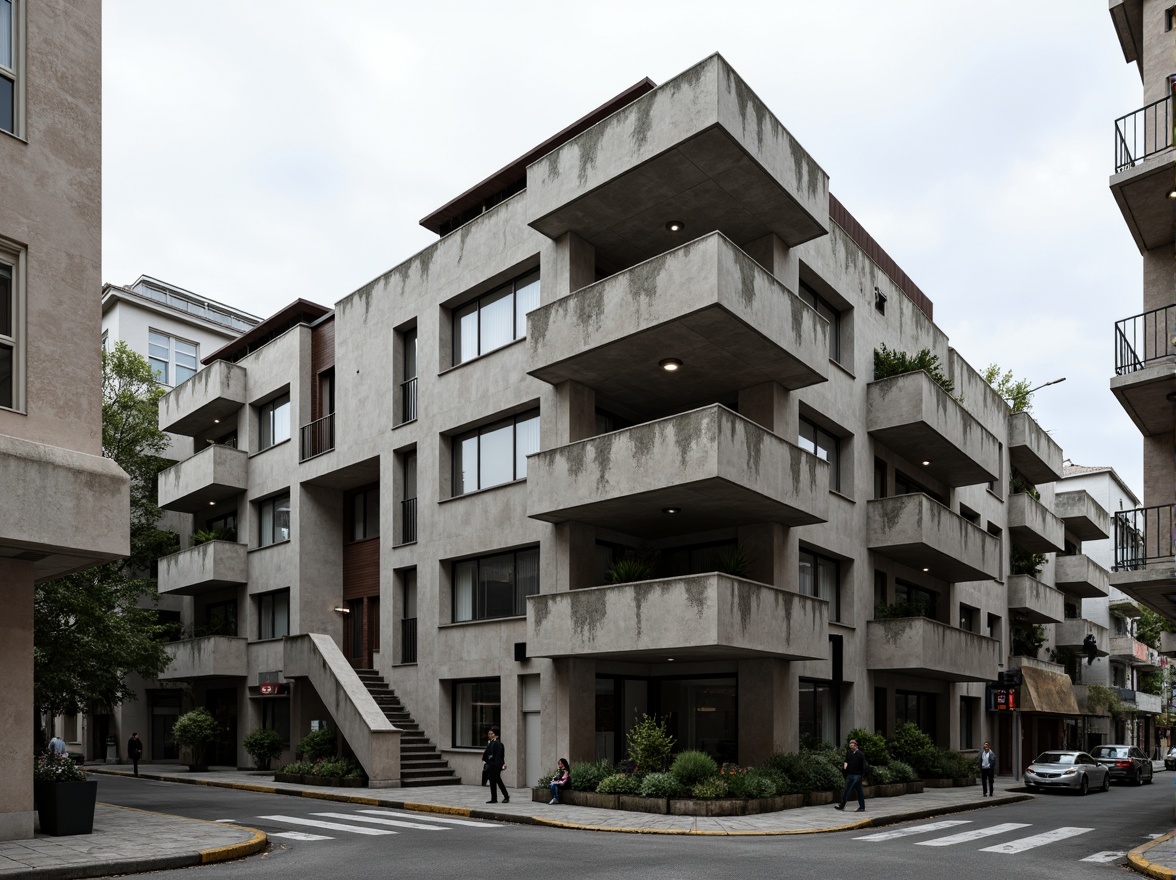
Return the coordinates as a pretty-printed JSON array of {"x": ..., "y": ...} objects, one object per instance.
[
  {"x": 790, "y": 507},
  {"x": 50, "y": 416}
]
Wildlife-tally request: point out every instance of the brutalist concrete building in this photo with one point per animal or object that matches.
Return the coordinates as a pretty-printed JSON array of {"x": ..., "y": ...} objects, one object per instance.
[{"x": 613, "y": 445}]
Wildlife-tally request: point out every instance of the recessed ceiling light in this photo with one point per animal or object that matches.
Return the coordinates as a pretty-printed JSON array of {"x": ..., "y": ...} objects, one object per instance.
[
  {"x": 675, "y": 226},
  {"x": 669, "y": 659},
  {"x": 671, "y": 510},
  {"x": 926, "y": 462},
  {"x": 216, "y": 421},
  {"x": 212, "y": 504},
  {"x": 926, "y": 569},
  {"x": 1172, "y": 193},
  {"x": 670, "y": 364}
]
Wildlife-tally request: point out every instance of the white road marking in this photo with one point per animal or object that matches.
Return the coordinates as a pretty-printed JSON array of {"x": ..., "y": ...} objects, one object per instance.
[
  {"x": 1027, "y": 843},
  {"x": 300, "y": 835},
  {"x": 394, "y": 822},
  {"x": 226, "y": 820},
  {"x": 1153, "y": 836},
  {"x": 974, "y": 834},
  {"x": 1107, "y": 856},
  {"x": 431, "y": 818},
  {"x": 915, "y": 829},
  {"x": 329, "y": 826}
]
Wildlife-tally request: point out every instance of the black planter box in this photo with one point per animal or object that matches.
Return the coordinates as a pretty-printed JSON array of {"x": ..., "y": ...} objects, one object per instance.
[{"x": 66, "y": 807}]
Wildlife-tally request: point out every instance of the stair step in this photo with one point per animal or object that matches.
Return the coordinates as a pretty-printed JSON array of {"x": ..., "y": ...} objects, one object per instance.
[
  {"x": 421, "y": 783},
  {"x": 421, "y": 763},
  {"x": 429, "y": 773}
]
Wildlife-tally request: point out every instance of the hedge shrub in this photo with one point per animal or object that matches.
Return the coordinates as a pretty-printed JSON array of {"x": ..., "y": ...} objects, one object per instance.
[
  {"x": 662, "y": 785},
  {"x": 619, "y": 783},
  {"x": 693, "y": 767}
]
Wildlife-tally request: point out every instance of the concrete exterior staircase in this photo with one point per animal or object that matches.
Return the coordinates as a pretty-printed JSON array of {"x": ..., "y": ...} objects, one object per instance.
[{"x": 420, "y": 762}]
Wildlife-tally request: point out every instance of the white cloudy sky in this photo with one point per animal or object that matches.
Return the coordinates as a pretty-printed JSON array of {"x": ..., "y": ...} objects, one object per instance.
[{"x": 257, "y": 151}]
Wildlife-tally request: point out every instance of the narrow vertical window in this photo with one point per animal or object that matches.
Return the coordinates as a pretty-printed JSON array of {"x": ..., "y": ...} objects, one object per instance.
[
  {"x": 7, "y": 66},
  {"x": 7, "y": 338}
]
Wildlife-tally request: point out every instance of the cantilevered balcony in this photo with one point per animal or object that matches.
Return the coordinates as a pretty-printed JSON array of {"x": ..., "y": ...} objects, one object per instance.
[
  {"x": 1033, "y": 452},
  {"x": 1033, "y": 527},
  {"x": 1168, "y": 644},
  {"x": 1133, "y": 652},
  {"x": 1080, "y": 577},
  {"x": 1145, "y": 367},
  {"x": 702, "y": 150},
  {"x": 1145, "y": 564},
  {"x": 1072, "y": 633},
  {"x": 1034, "y": 601},
  {"x": 215, "y": 474},
  {"x": 920, "y": 646},
  {"x": 207, "y": 566},
  {"x": 1084, "y": 517},
  {"x": 704, "y": 469},
  {"x": 207, "y": 657},
  {"x": 924, "y": 535},
  {"x": 215, "y": 393},
  {"x": 707, "y": 304},
  {"x": 914, "y": 416},
  {"x": 701, "y": 617},
  {"x": 1143, "y": 173}
]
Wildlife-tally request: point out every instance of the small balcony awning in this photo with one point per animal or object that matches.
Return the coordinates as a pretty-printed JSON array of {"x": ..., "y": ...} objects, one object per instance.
[{"x": 1045, "y": 692}]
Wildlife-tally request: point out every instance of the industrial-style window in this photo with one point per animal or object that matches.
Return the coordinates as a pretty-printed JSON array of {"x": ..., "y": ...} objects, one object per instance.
[
  {"x": 274, "y": 516},
  {"x": 9, "y": 58},
  {"x": 173, "y": 360},
  {"x": 273, "y": 614},
  {"x": 365, "y": 513},
  {"x": 824, "y": 446},
  {"x": 494, "y": 319},
  {"x": 495, "y": 586},
  {"x": 495, "y": 454},
  {"x": 820, "y": 576},
  {"x": 829, "y": 313},
  {"x": 477, "y": 706},
  {"x": 9, "y": 354},
  {"x": 273, "y": 422}
]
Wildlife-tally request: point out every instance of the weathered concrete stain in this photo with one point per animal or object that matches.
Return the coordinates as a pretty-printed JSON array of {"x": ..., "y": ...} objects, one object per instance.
[
  {"x": 589, "y": 611},
  {"x": 691, "y": 430}
]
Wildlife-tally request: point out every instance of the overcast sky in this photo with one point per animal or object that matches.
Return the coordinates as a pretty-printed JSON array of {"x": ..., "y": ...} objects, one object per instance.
[{"x": 257, "y": 151}]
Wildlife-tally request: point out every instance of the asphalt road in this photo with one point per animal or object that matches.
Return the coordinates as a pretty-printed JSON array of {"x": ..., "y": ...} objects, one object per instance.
[{"x": 1052, "y": 836}]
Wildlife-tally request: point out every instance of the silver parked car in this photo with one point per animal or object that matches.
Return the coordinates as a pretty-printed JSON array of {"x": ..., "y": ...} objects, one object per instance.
[
  {"x": 1067, "y": 769},
  {"x": 1126, "y": 763},
  {"x": 1170, "y": 759}
]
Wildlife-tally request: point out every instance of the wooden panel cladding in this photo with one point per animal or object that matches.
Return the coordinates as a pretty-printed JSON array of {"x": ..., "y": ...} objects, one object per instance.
[
  {"x": 322, "y": 357},
  {"x": 361, "y": 569}
]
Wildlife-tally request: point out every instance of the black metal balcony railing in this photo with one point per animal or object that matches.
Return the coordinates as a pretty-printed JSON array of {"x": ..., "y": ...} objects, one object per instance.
[
  {"x": 1143, "y": 339},
  {"x": 1143, "y": 537},
  {"x": 408, "y": 400},
  {"x": 408, "y": 647},
  {"x": 318, "y": 437},
  {"x": 1143, "y": 133},
  {"x": 408, "y": 521}
]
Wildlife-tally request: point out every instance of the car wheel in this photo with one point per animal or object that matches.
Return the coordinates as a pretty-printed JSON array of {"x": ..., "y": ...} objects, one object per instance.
[
  {"x": 1139, "y": 776},
  {"x": 1030, "y": 788},
  {"x": 1151, "y": 775},
  {"x": 1106, "y": 786},
  {"x": 1084, "y": 785}
]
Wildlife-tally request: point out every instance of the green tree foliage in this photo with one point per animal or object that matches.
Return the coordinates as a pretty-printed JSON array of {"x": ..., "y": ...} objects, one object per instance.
[
  {"x": 1027, "y": 639},
  {"x": 1149, "y": 627},
  {"x": 195, "y": 730},
  {"x": 649, "y": 744},
  {"x": 891, "y": 362},
  {"x": 1014, "y": 391},
  {"x": 89, "y": 629}
]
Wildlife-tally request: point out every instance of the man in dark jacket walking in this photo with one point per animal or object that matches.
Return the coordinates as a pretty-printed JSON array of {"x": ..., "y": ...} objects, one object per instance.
[
  {"x": 135, "y": 751},
  {"x": 855, "y": 769},
  {"x": 494, "y": 761}
]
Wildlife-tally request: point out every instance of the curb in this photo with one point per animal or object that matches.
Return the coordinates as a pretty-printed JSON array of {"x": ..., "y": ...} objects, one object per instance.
[
  {"x": 1138, "y": 862},
  {"x": 256, "y": 843}
]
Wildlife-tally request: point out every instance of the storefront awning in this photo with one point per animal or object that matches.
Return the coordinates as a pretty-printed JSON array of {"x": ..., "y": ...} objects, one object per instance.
[{"x": 1047, "y": 692}]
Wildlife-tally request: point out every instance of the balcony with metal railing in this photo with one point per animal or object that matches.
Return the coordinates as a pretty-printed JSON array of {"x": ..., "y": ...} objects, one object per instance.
[
  {"x": 1142, "y": 182},
  {"x": 1143, "y": 133},
  {"x": 1145, "y": 369},
  {"x": 408, "y": 521},
  {"x": 408, "y": 640},
  {"x": 318, "y": 437},
  {"x": 408, "y": 400},
  {"x": 1145, "y": 561}
]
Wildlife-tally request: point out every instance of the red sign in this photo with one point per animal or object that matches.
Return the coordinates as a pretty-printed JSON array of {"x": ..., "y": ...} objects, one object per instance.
[
  {"x": 1004, "y": 699},
  {"x": 272, "y": 689}
]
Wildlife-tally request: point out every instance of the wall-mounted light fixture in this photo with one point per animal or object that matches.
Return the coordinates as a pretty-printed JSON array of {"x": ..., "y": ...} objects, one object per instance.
[{"x": 342, "y": 609}]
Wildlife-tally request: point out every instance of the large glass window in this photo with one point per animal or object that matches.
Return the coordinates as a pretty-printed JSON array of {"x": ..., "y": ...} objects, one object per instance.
[
  {"x": 825, "y": 310},
  {"x": 273, "y": 611},
  {"x": 820, "y": 576},
  {"x": 824, "y": 446},
  {"x": 817, "y": 712},
  {"x": 477, "y": 706},
  {"x": 173, "y": 360},
  {"x": 8, "y": 55},
  {"x": 495, "y": 586},
  {"x": 365, "y": 514},
  {"x": 495, "y": 454},
  {"x": 495, "y": 319},
  {"x": 274, "y": 516},
  {"x": 7, "y": 336},
  {"x": 274, "y": 421}
]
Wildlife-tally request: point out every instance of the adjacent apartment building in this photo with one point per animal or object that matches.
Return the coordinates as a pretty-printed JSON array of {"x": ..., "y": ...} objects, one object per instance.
[
  {"x": 616, "y": 444},
  {"x": 64, "y": 506}
]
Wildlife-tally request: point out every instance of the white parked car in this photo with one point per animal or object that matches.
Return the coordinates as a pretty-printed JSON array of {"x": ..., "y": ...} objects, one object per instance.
[{"x": 1077, "y": 771}]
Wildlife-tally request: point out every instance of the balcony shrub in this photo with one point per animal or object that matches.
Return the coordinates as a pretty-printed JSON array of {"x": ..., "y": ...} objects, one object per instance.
[
  {"x": 630, "y": 568},
  {"x": 733, "y": 561},
  {"x": 693, "y": 767},
  {"x": 1027, "y": 639},
  {"x": 891, "y": 362},
  {"x": 1024, "y": 562},
  {"x": 906, "y": 608}
]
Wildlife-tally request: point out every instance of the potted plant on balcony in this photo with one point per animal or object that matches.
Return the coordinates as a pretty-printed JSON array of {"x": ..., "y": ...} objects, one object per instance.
[
  {"x": 263, "y": 746},
  {"x": 194, "y": 731},
  {"x": 65, "y": 798}
]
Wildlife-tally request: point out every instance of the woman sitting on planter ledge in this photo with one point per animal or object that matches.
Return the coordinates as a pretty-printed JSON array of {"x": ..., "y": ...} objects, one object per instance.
[{"x": 562, "y": 779}]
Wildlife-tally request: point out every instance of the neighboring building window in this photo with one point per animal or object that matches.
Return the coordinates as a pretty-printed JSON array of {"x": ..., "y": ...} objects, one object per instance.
[
  {"x": 969, "y": 618},
  {"x": 8, "y": 72},
  {"x": 224, "y": 526},
  {"x": 173, "y": 360},
  {"x": 477, "y": 706},
  {"x": 273, "y": 612},
  {"x": 274, "y": 515},
  {"x": 274, "y": 421},
  {"x": 220, "y": 618},
  {"x": 495, "y": 454},
  {"x": 365, "y": 514},
  {"x": 494, "y": 319},
  {"x": 9, "y": 323},
  {"x": 824, "y": 446},
  {"x": 495, "y": 586},
  {"x": 830, "y": 314},
  {"x": 408, "y": 616},
  {"x": 820, "y": 576}
]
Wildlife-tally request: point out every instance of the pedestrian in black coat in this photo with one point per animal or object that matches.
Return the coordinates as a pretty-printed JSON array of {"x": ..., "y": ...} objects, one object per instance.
[{"x": 494, "y": 762}]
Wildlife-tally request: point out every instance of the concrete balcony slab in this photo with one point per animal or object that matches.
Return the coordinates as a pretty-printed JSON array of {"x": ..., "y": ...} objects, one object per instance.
[
  {"x": 1032, "y": 451},
  {"x": 918, "y": 532},
  {"x": 207, "y": 657},
  {"x": 920, "y": 646},
  {"x": 912, "y": 414},
  {"x": 1133, "y": 652},
  {"x": 1141, "y": 192},
  {"x": 701, "y": 617},
  {"x": 207, "y": 566},
  {"x": 712, "y": 467},
  {"x": 1153, "y": 585},
  {"x": 1072, "y": 634},
  {"x": 1168, "y": 644},
  {"x": 1084, "y": 517},
  {"x": 215, "y": 474},
  {"x": 1034, "y": 601},
  {"x": 1147, "y": 395},
  {"x": 1033, "y": 527},
  {"x": 701, "y": 149},
  {"x": 1081, "y": 577},
  {"x": 707, "y": 304},
  {"x": 215, "y": 393}
]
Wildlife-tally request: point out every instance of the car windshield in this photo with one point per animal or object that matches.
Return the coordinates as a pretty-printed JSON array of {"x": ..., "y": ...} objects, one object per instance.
[
  {"x": 1111, "y": 752},
  {"x": 1055, "y": 758}
]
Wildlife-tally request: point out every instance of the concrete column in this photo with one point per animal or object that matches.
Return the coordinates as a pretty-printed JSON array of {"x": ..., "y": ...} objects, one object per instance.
[
  {"x": 768, "y": 701},
  {"x": 765, "y": 545},
  {"x": 1159, "y": 280},
  {"x": 573, "y": 416},
  {"x": 16, "y": 700},
  {"x": 767, "y": 404},
  {"x": 575, "y": 558},
  {"x": 775, "y": 256},
  {"x": 570, "y": 265},
  {"x": 574, "y": 718}
]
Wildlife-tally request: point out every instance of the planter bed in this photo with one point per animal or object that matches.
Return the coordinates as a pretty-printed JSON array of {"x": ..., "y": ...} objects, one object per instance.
[{"x": 331, "y": 781}]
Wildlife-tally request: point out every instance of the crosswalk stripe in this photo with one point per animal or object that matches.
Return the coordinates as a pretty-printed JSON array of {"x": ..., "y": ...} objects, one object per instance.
[
  {"x": 394, "y": 822},
  {"x": 300, "y": 835},
  {"x": 915, "y": 829},
  {"x": 974, "y": 834},
  {"x": 1107, "y": 856},
  {"x": 1027, "y": 843},
  {"x": 431, "y": 818},
  {"x": 330, "y": 826}
]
